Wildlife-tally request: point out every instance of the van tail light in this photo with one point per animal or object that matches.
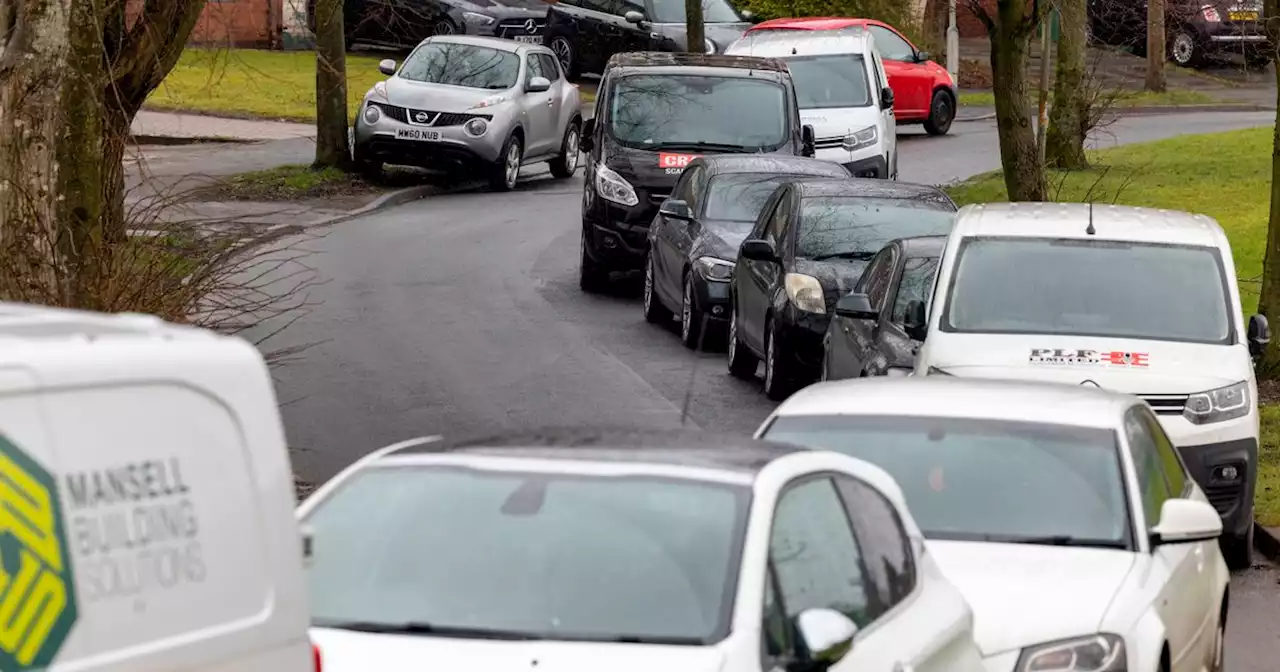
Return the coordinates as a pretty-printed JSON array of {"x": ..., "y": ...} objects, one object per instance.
[
  {"x": 315, "y": 656},
  {"x": 1210, "y": 14}
]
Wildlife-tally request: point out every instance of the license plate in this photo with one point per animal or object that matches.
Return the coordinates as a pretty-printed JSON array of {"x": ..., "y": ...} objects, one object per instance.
[
  {"x": 417, "y": 134},
  {"x": 1243, "y": 16},
  {"x": 530, "y": 39}
]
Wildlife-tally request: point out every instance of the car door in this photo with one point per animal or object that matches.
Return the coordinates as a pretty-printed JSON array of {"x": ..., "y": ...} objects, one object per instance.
[
  {"x": 888, "y": 120},
  {"x": 594, "y": 31},
  {"x": 894, "y": 346},
  {"x": 687, "y": 232},
  {"x": 1179, "y": 602},
  {"x": 908, "y": 78},
  {"x": 850, "y": 340},
  {"x": 757, "y": 282},
  {"x": 666, "y": 241},
  {"x": 537, "y": 108},
  {"x": 559, "y": 115}
]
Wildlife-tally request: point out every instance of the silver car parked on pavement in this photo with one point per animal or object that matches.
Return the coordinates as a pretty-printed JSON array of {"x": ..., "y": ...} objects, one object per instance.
[{"x": 473, "y": 104}]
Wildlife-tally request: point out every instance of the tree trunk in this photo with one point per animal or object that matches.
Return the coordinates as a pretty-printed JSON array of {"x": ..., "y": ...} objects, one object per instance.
[
  {"x": 1023, "y": 173},
  {"x": 696, "y": 34},
  {"x": 1269, "y": 299},
  {"x": 84, "y": 242},
  {"x": 332, "y": 149},
  {"x": 1155, "y": 46},
  {"x": 1068, "y": 116}
]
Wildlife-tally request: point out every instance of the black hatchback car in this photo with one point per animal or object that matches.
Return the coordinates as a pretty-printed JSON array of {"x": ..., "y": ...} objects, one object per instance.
[
  {"x": 810, "y": 244},
  {"x": 655, "y": 113},
  {"x": 585, "y": 34},
  {"x": 402, "y": 25},
  {"x": 878, "y": 327},
  {"x": 1196, "y": 29},
  {"x": 694, "y": 239}
]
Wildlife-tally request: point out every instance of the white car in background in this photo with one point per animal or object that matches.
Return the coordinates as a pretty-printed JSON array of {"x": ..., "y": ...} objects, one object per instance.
[
  {"x": 1130, "y": 299},
  {"x": 582, "y": 551},
  {"x": 1064, "y": 515}
]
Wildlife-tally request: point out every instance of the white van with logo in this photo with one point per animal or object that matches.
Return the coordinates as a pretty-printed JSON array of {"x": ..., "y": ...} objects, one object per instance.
[
  {"x": 146, "y": 501},
  {"x": 842, "y": 91},
  {"x": 1128, "y": 299}
]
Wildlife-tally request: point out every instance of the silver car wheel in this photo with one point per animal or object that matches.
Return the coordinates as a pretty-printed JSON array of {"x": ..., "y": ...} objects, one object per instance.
[
  {"x": 513, "y": 164},
  {"x": 733, "y": 335},
  {"x": 571, "y": 150},
  {"x": 1183, "y": 47},
  {"x": 686, "y": 311},
  {"x": 563, "y": 52}
]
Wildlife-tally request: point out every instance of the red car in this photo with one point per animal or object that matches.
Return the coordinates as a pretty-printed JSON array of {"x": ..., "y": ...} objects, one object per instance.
[{"x": 923, "y": 91}]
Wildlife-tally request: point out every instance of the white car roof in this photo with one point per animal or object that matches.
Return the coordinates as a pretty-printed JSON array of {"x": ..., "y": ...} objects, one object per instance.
[
  {"x": 783, "y": 43},
  {"x": 951, "y": 397},
  {"x": 1071, "y": 220},
  {"x": 38, "y": 326}
]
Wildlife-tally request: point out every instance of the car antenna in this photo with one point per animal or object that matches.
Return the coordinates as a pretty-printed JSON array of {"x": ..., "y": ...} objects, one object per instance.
[{"x": 1090, "y": 230}]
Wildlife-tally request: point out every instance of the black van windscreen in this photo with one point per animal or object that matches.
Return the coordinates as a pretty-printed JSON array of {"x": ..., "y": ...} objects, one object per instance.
[{"x": 649, "y": 111}]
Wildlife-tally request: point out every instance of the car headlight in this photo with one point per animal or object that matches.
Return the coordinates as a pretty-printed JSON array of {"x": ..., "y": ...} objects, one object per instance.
[
  {"x": 1224, "y": 403},
  {"x": 475, "y": 127},
  {"x": 379, "y": 90},
  {"x": 477, "y": 19},
  {"x": 612, "y": 187},
  {"x": 711, "y": 268},
  {"x": 490, "y": 102},
  {"x": 806, "y": 293},
  {"x": 372, "y": 113},
  {"x": 711, "y": 46},
  {"x": 1095, "y": 653},
  {"x": 859, "y": 139},
  {"x": 897, "y": 372},
  {"x": 935, "y": 371}
]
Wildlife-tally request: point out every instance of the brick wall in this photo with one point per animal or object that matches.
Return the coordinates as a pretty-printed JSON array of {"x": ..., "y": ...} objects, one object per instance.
[
  {"x": 968, "y": 24},
  {"x": 233, "y": 23}
]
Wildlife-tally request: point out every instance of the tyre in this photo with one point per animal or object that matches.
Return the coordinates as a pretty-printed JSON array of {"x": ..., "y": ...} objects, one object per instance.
[
  {"x": 506, "y": 170},
  {"x": 692, "y": 319},
  {"x": 591, "y": 278},
  {"x": 1184, "y": 51},
  {"x": 779, "y": 377},
  {"x": 942, "y": 111},
  {"x": 562, "y": 47},
  {"x": 654, "y": 311},
  {"x": 1238, "y": 551},
  {"x": 742, "y": 362},
  {"x": 563, "y": 166}
]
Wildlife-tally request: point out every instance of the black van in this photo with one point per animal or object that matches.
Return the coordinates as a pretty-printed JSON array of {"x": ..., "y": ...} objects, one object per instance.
[{"x": 656, "y": 112}]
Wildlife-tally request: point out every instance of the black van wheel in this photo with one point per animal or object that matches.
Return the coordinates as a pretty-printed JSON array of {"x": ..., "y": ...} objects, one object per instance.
[
  {"x": 562, "y": 47},
  {"x": 591, "y": 278}
]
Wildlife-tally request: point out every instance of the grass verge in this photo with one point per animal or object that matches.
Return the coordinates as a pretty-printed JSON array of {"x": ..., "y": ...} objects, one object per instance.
[
  {"x": 1230, "y": 180},
  {"x": 1169, "y": 98},
  {"x": 263, "y": 84},
  {"x": 290, "y": 183}
]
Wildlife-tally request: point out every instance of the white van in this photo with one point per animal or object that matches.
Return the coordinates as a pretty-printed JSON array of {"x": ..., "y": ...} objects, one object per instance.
[
  {"x": 147, "y": 500},
  {"x": 1129, "y": 299},
  {"x": 842, "y": 91}
]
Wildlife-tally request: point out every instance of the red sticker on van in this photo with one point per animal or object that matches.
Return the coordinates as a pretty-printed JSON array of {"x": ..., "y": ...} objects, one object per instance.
[{"x": 679, "y": 161}]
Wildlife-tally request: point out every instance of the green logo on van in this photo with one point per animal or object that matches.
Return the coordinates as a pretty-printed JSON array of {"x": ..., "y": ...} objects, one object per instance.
[{"x": 37, "y": 594}]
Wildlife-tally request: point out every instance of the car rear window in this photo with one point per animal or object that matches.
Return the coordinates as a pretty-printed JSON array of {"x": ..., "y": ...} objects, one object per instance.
[
  {"x": 830, "y": 80},
  {"x": 846, "y": 225},
  {"x": 466, "y": 65},
  {"x": 741, "y": 196}
]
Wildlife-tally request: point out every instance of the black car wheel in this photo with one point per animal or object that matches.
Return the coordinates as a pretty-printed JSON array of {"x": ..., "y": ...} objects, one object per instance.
[
  {"x": 778, "y": 375},
  {"x": 506, "y": 170},
  {"x": 654, "y": 311},
  {"x": 742, "y": 362},
  {"x": 1183, "y": 49},
  {"x": 564, "y": 165},
  {"x": 562, "y": 47},
  {"x": 1238, "y": 551},
  {"x": 942, "y": 111},
  {"x": 591, "y": 278},
  {"x": 444, "y": 27},
  {"x": 691, "y": 317}
]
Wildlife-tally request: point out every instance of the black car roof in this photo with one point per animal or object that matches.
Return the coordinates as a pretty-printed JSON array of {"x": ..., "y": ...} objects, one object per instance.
[
  {"x": 872, "y": 188},
  {"x": 923, "y": 246},
  {"x": 723, "y": 164},
  {"x": 670, "y": 59},
  {"x": 676, "y": 447}
]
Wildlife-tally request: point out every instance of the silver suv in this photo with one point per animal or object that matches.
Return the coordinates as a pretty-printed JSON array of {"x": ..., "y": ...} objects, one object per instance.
[{"x": 471, "y": 103}]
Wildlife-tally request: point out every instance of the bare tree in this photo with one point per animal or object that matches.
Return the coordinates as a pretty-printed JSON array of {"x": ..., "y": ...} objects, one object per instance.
[
  {"x": 1068, "y": 118},
  {"x": 1269, "y": 297},
  {"x": 1155, "y": 46},
  {"x": 332, "y": 148},
  {"x": 1010, "y": 32}
]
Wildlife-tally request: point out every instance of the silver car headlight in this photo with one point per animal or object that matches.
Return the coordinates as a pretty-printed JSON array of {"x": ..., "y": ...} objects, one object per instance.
[
  {"x": 478, "y": 19},
  {"x": 612, "y": 187},
  {"x": 475, "y": 127},
  {"x": 372, "y": 113},
  {"x": 806, "y": 293},
  {"x": 866, "y": 137},
  {"x": 1095, "y": 653},
  {"x": 714, "y": 269},
  {"x": 1224, "y": 403}
]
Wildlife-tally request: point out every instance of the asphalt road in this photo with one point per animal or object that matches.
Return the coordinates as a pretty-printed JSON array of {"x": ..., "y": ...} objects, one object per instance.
[{"x": 462, "y": 313}]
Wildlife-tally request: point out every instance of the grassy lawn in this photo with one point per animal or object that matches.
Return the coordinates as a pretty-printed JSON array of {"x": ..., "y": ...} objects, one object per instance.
[
  {"x": 1125, "y": 99},
  {"x": 1229, "y": 180},
  {"x": 267, "y": 84}
]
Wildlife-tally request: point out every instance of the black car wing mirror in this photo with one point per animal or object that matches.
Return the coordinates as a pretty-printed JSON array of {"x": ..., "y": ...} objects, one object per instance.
[
  {"x": 588, "y": 140},
  {"x": 856, "y": 307},
  {"x": 757, "y": 249},
  {"x": 808, "y": 143},
  {"x": 1259, "y": 335},
  {"x": 886, "y": 98},
  {"x": 916, "y": 323},
  {"x": 675, "y": 208}
]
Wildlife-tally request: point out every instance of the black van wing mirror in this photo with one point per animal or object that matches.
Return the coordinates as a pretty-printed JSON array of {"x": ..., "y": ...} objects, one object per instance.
[
  {"x": 916, "y": 323},
  {"x": 588, "y": 140},
  {"x": 1259, "y": 335},
  {"x": 808, "y": 143},
  {"x": 886, "y": 98}
]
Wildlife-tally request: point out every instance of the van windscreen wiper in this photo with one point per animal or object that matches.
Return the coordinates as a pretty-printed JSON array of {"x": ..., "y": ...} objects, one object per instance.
[{"x": 704, "y": 146}]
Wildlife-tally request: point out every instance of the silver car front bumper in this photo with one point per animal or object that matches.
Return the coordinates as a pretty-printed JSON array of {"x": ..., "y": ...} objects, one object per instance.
[{"x": 442, "y": 138}]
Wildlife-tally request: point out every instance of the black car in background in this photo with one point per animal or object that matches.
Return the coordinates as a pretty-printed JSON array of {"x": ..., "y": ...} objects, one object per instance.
[
  {"x": 584, "y": 34},
  {"x": 877, "y": 327},
  {"x": 810, "y": 244},
  {"x": 1195, "y": 29},
  {"x": 693, "y": 241},
  {"x": 655, "y": 113},
  {"x": 401, "y": 24}
]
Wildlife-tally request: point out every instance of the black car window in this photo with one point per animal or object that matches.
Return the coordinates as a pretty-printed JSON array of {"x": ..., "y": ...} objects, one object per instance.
[
  {"x": 778, "y": 223},
  {"x": 886, "y": 549},
  {"x": 891, "y": 45},
  {"x": 550, "y": 68},
  {"x": 1146, "y": 462},
  {"x": 883, "y": 258},
  {"x": 846, "y": 225},
  {"x": 466, "y": 65},
  {"x": 741, "y": 196},
  {"x": 697, "y": 184},
  {"x": 686, "y": 112},
  {"x": 621, "y": 7},
  {"x": 604, "y": 6},
  {"x": 1175, "y": 472},
  {"x": 713, "y": 11},
  {"x": 814, "y": 552},
  {"x": 683, "y": 189},
  {"x": 879, "y": 282},
  {"x": 916, "y": 285}
]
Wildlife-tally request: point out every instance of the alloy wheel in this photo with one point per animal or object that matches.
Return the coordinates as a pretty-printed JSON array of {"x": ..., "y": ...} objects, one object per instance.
[
  {"x": 686, "y": 311},
  {"x": 768, "y": 360},
  {"x": 563, "y": 52},
  {"x": 648, "y": 286},
  {"x": 733, "y": 335},
  {"x": 444, "y": 28},
  {"x": 1183, "y": 48},
  {"x": 571, "y": 150},
  {"x": 513, "y": 164}
]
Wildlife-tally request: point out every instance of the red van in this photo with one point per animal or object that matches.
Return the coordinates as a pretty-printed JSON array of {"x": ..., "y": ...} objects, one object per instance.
[{"x": 923, "y": 91}]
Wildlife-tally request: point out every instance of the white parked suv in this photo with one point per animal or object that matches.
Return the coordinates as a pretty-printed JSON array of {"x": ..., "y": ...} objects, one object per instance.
[
  {"x": 1130, "y": 299},
  {"x": 842, "y": 91}
]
